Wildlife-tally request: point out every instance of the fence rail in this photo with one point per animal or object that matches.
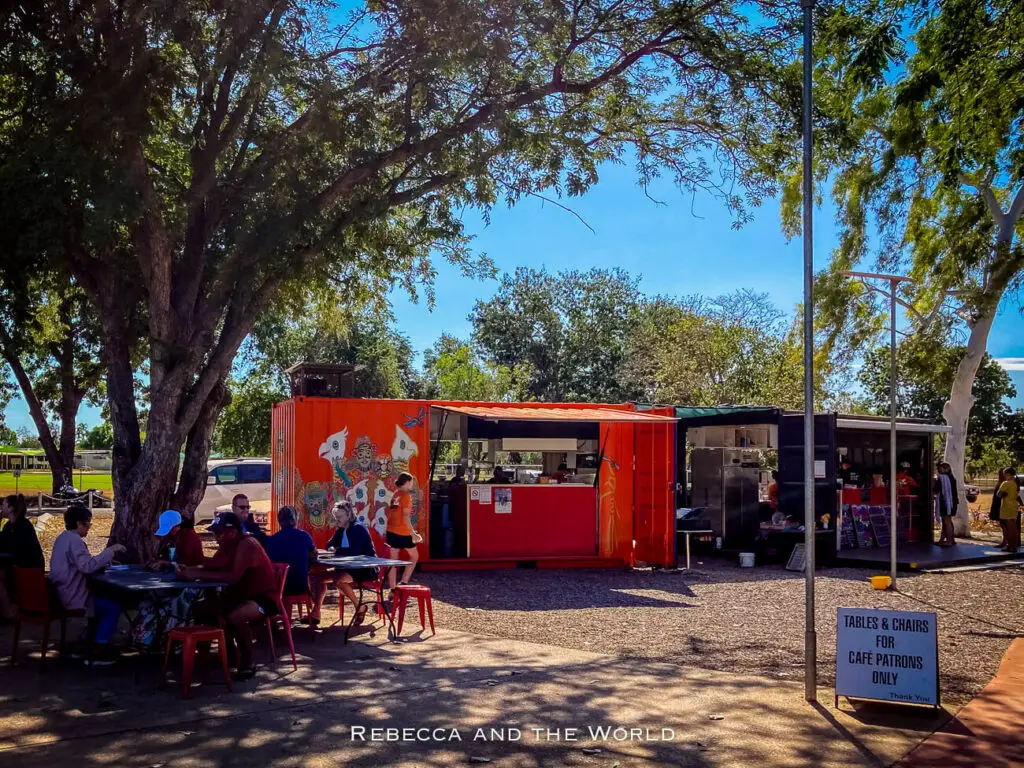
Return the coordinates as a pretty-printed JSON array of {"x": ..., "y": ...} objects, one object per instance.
[{"x": 91, "y": 499}]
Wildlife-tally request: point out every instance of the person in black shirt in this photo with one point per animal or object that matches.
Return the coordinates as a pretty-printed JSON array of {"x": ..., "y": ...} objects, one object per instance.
[
  {"x": 18, "y": 537},
  {"x": 18, "y": 540}
]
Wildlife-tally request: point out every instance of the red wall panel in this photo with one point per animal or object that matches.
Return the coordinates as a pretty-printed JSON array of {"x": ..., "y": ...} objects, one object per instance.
[{"x": 545, "y": 521}]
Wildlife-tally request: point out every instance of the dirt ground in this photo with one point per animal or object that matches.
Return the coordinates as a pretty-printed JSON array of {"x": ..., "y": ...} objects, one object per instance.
[
  {"x": 719, "y": 616},
  {"x": 731, "y": 619}
]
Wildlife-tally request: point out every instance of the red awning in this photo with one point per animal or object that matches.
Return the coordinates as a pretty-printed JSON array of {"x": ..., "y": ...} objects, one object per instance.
[{"x": 541, "y": 413}]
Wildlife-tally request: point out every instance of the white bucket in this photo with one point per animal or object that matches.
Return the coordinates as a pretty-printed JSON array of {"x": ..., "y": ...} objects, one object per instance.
[{"x": 746, "y": 559}]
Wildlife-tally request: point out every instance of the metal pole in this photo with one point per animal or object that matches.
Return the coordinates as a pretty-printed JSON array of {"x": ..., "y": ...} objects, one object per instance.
[
  {"x": 810, "y": 521},
  {"x": 892, "y": 433}
]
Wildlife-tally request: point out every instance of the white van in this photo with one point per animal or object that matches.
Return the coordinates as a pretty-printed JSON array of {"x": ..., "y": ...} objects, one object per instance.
[{"x": 230, "y": 477}]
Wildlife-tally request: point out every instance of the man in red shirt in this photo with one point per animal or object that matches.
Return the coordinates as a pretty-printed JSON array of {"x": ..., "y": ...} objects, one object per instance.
[
  {"x": 252, "y": 592},
  {"x": 178, "y": 536}
]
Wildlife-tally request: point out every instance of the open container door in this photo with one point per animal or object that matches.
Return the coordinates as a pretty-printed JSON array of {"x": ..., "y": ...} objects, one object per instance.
[{"x": 654, "y": 484}]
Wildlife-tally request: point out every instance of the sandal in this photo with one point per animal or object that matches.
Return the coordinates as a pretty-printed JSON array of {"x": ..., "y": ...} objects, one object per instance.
[{"x": 360, "y": 615}]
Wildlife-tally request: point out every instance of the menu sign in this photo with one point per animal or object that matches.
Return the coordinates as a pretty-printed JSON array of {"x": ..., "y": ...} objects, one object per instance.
[{"x": 887, "y": 656}]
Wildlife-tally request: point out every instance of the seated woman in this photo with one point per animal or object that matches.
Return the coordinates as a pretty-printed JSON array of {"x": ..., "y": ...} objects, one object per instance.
[
  {"x": 17, "y": 539},
  {"x": 350, "y": 538},
  {"x": 70, "y": 566}
]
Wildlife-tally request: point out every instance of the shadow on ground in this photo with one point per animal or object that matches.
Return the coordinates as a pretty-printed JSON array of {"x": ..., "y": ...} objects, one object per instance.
[{"x": 449, "y": 683}]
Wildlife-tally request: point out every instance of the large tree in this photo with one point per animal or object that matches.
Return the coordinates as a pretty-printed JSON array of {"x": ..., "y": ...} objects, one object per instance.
[
  {"x": 737, "y": 349},
  {"x": 215, "y": 152},
  {"x": 452, "y": 370},
  {"x": 925, "y": 372},
  {"x": 49, "y": 341},
  {"x": 566, "y": 334},
  {"x": 920, "y": 105}
]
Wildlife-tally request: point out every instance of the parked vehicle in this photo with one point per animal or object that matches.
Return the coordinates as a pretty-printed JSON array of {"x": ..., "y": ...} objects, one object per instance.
[{"x": 230, "y": 477}]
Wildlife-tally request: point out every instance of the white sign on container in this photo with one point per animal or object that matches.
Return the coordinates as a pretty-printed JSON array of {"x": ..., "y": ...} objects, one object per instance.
[
  {"x": 503, "y": 501},
  {"x": 481, "y": 493},
  {"x": 887, "y": 656}
]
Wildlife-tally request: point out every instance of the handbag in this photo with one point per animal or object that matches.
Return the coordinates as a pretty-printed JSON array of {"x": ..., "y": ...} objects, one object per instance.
[{"x": 996, "y": 503}]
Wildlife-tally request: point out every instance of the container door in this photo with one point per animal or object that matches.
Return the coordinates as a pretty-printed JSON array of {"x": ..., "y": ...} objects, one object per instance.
[
  {"x": 654, "y": 483},
  {"x": 791, "y": 464}
]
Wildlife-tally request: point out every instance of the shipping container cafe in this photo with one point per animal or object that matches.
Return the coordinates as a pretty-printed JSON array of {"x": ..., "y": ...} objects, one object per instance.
[{"x": 602, "y": 495}]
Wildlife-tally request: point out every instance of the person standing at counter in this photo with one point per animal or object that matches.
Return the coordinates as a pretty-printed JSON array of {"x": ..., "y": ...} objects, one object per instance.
[
  {"x": 399, "y": 533},
  {"x": 1009, "y": 495},
  {"x": 946, "y": 502}
]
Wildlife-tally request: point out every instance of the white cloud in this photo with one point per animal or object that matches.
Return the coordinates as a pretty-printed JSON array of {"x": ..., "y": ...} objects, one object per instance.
[{"x": 1011, "y": 363}]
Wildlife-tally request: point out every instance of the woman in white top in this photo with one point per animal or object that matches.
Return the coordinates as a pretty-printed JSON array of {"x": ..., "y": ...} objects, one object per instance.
[{"x": 70, "y": 566}]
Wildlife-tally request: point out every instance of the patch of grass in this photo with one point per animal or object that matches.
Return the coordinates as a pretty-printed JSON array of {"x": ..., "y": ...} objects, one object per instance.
[{"x": 32, "y": 482}]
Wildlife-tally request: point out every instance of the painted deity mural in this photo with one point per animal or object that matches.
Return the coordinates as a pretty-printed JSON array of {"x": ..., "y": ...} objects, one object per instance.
[{"x": 359, "y": 463}]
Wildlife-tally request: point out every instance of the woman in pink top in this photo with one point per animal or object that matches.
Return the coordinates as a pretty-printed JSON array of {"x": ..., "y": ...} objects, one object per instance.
[{"x": 70, "y": 566}]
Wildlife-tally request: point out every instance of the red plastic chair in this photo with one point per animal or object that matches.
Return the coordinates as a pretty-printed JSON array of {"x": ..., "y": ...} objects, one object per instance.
[
  {"x": 422, "y": 594},
  {"x": 304, "y": 604},
  {"x": 280, "y": 573},
  {"x": 190, "y": 637},
  {"x": 32, "y": 595}
]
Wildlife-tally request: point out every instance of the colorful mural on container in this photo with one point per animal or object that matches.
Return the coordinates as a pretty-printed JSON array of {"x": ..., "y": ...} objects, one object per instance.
[{"x": 355, "y": 454}]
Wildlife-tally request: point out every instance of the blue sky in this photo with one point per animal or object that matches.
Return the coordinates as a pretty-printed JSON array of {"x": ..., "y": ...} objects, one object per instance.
[{"x": 683, "y": 247}]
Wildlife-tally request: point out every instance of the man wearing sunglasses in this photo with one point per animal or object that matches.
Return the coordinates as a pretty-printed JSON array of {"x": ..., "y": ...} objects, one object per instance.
[{"x": 240, "y": 506}]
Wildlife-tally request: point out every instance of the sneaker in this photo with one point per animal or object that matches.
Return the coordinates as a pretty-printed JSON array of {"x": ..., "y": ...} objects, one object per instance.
[{"x": 104, "y": 656}]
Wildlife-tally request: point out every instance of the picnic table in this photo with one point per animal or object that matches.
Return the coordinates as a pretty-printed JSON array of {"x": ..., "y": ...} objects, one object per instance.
[{"x": 353, "y": 562}]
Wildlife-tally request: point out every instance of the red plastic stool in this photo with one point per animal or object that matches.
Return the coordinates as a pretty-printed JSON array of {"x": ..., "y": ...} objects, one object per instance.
[
  {"x": 422, "y": 594},
  {"x": 190, "y": 637}
]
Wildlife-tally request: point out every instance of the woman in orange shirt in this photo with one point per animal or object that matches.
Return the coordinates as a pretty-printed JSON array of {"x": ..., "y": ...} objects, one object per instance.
[{"x": 400, "y": 534}]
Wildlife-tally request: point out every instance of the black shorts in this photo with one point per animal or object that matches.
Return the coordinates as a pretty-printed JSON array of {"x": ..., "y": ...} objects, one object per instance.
[
  {"x": 268, "y": 605},
  {"x": 398, "y": 541}
]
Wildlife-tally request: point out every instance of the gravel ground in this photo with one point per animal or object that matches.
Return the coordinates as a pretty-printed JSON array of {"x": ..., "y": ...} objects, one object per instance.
[{"x": 727, "y": 618}]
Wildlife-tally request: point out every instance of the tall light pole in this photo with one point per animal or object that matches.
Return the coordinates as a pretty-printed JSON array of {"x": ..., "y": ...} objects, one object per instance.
[
  {"x": 810, "y": 520},
  {"x": 894, "y": 283}
]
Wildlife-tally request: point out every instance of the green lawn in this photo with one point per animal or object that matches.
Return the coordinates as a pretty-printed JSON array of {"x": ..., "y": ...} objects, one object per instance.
[{"x": 33, "y": 482}]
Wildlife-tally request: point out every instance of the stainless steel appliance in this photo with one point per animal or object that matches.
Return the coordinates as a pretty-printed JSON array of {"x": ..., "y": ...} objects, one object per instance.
[{"x": 725, "y": 482}]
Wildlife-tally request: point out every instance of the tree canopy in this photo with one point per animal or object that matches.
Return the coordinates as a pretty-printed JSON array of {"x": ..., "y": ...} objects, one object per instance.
[{"x": 204, "y": 156}]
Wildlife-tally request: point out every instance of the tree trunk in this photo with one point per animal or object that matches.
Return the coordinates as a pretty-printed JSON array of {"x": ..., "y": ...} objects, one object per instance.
[
  {"x": 194, "y": 470},
  {"x": 957, "y": 412},
  {"x": 61, "y": 459}
]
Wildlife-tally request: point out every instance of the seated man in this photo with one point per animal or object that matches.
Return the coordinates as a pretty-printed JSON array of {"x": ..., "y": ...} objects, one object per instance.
[
  {"x": 251, "y": 595},
  {"x": 242, "y": 508},
  {"x": 176, "y": 540},
  {"x": 70, "y": 566},
  {"x": 350, "y": 538},
  {"x": 295, "y": 547}
]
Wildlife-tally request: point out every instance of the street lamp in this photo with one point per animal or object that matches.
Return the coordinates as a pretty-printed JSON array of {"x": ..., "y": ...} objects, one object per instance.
[
  {"x": 894, "y": 283},
  {"x": 810, "y": 523}
]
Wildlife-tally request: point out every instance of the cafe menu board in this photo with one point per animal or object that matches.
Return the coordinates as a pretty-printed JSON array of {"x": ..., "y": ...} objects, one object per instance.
[{"x": 887, "y": 656}]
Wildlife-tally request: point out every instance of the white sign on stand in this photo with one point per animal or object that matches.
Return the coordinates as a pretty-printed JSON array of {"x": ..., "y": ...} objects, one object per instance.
[{"x": 887, "y": 656}]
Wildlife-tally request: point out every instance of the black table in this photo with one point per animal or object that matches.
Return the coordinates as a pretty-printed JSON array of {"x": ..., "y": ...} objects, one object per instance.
[
  {"x": 137, "y": 584},
  {"x": 353, "y": 562}
]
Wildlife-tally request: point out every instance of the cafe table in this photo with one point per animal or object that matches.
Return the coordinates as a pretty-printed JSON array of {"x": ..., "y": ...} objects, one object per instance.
[
  {"x": 134, "y": 584},
  {"x": 355, "y": 562}
]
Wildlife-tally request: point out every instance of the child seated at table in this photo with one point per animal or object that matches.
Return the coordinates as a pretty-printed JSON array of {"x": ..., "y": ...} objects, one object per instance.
[
  {"x": 350, "y": 538},
  {"x": 70, "y": 566}
]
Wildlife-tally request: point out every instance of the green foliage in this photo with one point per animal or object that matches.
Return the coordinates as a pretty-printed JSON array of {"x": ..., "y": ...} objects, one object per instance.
[
  {"x": 566, "y": 336},
  {"x": 920, "y": 107},
  {"x": 736, "y": 349},
  {"x": 452, "y": 371},
  {"x": 989, "y": 455},
  {"x": 243, "y": 428},
  {"x": 324, "y": 332},
  {"x": 8, "y": 436},
  {"x": 99, "y": 437},
  {"x": 26, "y": 439},
  {"x": 924, "y": 375}
]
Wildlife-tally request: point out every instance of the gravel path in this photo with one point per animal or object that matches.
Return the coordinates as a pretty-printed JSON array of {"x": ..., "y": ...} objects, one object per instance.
[{"x": 727, "y": 618}]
